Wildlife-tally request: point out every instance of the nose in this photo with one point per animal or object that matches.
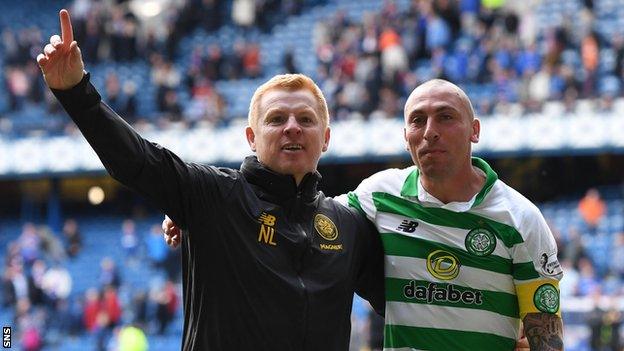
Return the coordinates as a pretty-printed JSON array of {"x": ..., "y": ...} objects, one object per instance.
[
  {"x": 292, "y": 126},
  {"x": 431, "y": 130}
]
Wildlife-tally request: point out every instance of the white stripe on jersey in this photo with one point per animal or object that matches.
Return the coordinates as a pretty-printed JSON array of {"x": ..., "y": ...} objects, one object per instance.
[{"x": 453, "y": 318}]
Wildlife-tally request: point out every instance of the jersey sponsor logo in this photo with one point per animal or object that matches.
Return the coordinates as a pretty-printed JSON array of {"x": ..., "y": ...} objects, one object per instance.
[
  {"x": 267, "y": 229},
  {"x": 325, "y": 227},
  {"x": 546, "y": 298},
  {"x": 407, "y": 226},
  {"x": 550, "y": 265},
  {"x": 443, "y": 265},
  {"x": 449, "y": 293},
  {"x": 480, "y": 242}
]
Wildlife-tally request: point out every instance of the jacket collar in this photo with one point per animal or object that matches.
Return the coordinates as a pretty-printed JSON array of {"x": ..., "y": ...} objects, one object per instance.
[{"x": 279, "y": 187}]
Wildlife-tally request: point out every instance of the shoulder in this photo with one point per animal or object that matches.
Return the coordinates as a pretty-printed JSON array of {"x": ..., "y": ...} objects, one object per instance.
[
  {"x": 342, "y": 213},
  {"x": 223, "y": 173},
  {"x": 390, "y": 180},
  {"x": 522, "y": 207}
]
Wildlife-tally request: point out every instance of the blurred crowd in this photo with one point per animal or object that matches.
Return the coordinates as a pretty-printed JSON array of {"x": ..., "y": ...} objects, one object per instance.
[
  {"x": 366, "y": 67},
  {"x": 588, "y": 272},
  {"x": 41, "y": 269}
]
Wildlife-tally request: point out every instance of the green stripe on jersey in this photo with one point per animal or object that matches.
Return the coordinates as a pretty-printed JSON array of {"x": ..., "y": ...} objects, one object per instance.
[
  {"x": 493, "y": 301},
  {"x": 397, "y": 336},
  {"x": 407, "y": 246},
  {"x": 355, "y": 202},
  {"x": 438, "y": 216},
  {"x": 524, "y": 271}
]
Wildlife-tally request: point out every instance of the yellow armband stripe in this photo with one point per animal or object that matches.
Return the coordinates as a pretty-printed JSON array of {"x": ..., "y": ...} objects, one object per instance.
[{"x": 539, "y": 296}]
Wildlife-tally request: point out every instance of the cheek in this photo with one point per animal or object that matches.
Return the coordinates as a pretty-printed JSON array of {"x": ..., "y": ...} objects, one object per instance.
[{"x": 412, "y": 138}]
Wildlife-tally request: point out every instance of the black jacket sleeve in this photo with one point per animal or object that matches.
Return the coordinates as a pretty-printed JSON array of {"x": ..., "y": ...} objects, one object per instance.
[
  {"x": 153, "y": 171},
  {"x": 370, "y": 279}
]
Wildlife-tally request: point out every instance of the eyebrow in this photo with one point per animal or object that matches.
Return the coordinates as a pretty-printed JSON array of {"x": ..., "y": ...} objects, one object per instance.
[
  {"x": 437, "y": 110},
  {"x": 297, "y": 108}
]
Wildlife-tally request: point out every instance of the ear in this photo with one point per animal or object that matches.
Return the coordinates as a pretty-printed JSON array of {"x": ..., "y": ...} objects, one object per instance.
[
  {"x": 251, "y": 138},
  {"x": 405, "y": 139},
  {"x": 476, "y": 130},
  {"x": 326, "y": 139}
]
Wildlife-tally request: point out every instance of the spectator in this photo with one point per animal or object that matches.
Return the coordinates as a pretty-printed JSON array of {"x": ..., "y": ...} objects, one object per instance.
[
  {"x": 129, "y": 240},
  {"x": 36, "y": 293},
  {"x": 172, "y": 110},
  {"x": 73, "y": 238},
  {"x": 589, "y": 283},
  {"x": 56, "y": 284},
  {"x": 91, "y": 309},
  {"x": 289, "y": 62},
  {"x": 111, "y": 306},
  {"x": 590, "y": 54},
  {"x": 15, "y": 285},
  {"x": 157, "y": 249},
  {"x": 167, "y": 304},
  {"x": 592, "y": 208},
  {"x": 617, "y": 251},
  {"x": 29, "y": 243},
  {"x": 605, "y": 327},
  {"x": 51, "y": 245},
  {"x": 108, "y": 273}
]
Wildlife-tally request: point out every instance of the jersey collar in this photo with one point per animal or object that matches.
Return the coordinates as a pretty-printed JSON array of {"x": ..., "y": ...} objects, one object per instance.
[{"x": 412, "y": 188}]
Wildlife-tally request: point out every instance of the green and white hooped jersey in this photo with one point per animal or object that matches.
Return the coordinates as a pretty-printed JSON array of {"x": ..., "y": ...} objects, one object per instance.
[{"x": 459, "y": 276}]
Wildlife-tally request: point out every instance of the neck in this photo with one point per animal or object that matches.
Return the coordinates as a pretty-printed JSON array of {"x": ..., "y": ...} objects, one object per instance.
[
  {"x": 298, "y": 178},
  {"x": 458, "y": 187}
]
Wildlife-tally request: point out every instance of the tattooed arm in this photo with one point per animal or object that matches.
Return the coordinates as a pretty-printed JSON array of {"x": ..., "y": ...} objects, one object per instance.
[{"x": 544, "y": 331}]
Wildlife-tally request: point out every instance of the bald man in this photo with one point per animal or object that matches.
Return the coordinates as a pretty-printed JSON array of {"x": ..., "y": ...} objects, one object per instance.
[{"x": 467, "y": 257}]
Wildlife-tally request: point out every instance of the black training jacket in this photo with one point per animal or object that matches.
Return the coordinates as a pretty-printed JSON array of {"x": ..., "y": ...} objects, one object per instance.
[{"x": 267, "y": 265}]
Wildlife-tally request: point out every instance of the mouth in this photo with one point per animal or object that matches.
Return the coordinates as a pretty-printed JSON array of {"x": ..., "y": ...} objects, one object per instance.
[
  {"x": 431, "y": 152},
  {"x": 292, "y": 147}
]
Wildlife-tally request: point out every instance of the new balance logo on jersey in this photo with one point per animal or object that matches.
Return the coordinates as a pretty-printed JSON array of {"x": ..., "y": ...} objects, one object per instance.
[{"x": 407, "y": 226}]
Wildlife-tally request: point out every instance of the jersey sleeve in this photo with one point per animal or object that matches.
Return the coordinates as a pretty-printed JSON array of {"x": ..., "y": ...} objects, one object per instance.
[
  {"x": 361, "y": 199},
  {"x": 537, "y": 271}
]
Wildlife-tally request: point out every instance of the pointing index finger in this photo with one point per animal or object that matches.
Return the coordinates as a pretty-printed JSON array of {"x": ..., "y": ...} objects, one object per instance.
[{"x": 67, "y": 33}]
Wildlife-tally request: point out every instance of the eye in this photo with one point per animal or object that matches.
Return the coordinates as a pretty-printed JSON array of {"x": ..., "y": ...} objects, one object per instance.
[
  {"x": 418, "y": 120},
  {"x": 447, "y": 116},
  {"x": 306, "y": 120},
  {"x": 275, "y": 119}
]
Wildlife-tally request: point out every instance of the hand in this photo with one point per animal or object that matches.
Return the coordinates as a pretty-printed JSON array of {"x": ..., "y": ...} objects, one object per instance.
[
  {"x": 522, "y": 344},
  {"x": 61, "y": 61},
  {"x": 172, "y": 234}
]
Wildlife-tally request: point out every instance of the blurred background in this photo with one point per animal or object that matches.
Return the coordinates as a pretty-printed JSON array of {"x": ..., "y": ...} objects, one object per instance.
[{"x": 84, "y": 266}]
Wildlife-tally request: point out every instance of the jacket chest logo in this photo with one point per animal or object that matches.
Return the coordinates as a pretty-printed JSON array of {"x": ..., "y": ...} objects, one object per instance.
[
  {"x": 267, "y": 229},
  {"x": 328, "y": 231},
  {"x": 325, "y": 227}
]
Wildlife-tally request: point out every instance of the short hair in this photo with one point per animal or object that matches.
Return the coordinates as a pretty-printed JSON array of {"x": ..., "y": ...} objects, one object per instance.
[{"x": 290, "y": 82}]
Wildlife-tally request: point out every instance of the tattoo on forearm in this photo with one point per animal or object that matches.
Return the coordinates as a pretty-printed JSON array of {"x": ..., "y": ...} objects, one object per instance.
[{"x": 544, "y": 331}]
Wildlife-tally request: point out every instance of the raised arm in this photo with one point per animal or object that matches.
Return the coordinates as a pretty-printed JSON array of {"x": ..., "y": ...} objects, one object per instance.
[{"x": 151, "y": 170}]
